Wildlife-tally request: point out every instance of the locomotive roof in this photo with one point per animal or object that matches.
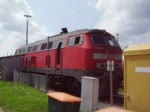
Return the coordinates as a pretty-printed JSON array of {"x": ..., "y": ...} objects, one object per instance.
[
  {"x": 77, "y": 32},
  {"x": 65, "y": 35}
]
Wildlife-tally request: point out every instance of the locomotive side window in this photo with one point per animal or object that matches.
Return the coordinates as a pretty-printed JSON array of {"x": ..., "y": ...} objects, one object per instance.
[
  {"x": 98, "y": 39},
  {"x": 35, "y": 48},
  {"x": 20, "y": 51},
  {"x": 81, "y": 40},
  {"x": 64, "y": 41},
  {"x": 23, "y": 50},
  {"x": 29, "y": 49},
  {"x": 43, "y": 47},
  {"x": 71, "y": 41},
  {"x": 50, "y": 45},
  {"x": 76, "y": 40},
  {"x": 54, "y": 45},
  {"x": 16, "y": 52}
]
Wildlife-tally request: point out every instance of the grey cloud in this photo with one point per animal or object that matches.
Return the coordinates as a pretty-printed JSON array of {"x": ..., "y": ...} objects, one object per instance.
[
  {"x": 17, "y": 27},
  {"x": 134, "y": 28},
  {"x": 129, "y": 18},
  {"x": 11, "y": 12},
  {"x": 139, "y": 9},
  {"x": 13, "y": 25},
  {"x": 14, "y": 6}
]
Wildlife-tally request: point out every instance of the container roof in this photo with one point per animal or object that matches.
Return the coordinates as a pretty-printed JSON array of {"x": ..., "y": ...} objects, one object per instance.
[
  {"x": 64, "y": 97},
  {"x": 138, "y": 49}
]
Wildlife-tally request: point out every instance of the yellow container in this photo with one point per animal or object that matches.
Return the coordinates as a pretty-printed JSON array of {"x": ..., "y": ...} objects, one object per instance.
[{"x": 137, "y": 78}]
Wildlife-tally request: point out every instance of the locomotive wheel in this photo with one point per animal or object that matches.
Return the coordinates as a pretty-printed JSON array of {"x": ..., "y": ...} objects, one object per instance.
[
  {"x": 51, "y": 82},
  {"x": 117, "y": 84},
  {"x": 74, "y": 86},
  {"x": 103, "y": 87}
]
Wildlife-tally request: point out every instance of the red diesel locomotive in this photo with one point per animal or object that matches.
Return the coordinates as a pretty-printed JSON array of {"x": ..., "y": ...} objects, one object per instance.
[{"x": 68, "y": 56}]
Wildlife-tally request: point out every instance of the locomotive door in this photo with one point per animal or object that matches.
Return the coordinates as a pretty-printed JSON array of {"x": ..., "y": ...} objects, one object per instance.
[{"x": 59, "y": 58}]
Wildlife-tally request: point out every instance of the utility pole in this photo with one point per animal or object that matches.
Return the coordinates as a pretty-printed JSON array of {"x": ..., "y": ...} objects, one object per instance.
[
  {"x": 48, "y": 64},
  {"x": 110, "y": 68},
  {"x": 117, "y": 37},
  {"x": 27, "y": 16}
]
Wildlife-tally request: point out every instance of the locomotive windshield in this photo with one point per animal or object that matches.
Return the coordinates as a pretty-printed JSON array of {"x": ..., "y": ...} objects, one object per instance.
[
  {"x": 113, "y": 42},
  {"x": 98, "y": 39},
  {"x": 102, "y": 40}
]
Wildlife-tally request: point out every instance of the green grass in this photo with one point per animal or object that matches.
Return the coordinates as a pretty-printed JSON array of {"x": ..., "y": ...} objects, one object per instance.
[{"x": 16, "y": 97}]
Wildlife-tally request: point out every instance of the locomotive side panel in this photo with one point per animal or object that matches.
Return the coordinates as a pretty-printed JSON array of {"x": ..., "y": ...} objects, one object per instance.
[{"x": 72, "y": 57}]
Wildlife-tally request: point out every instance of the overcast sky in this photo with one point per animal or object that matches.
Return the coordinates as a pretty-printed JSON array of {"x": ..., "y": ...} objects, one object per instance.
[{"x": 128, "y": 18}]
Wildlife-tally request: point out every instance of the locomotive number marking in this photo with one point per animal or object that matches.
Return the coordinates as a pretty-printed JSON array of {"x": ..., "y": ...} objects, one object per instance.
[{"x": 100, "y": 56}]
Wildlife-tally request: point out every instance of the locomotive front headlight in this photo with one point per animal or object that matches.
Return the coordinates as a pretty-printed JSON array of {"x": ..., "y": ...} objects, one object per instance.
[{"x": 100, "y": 65}]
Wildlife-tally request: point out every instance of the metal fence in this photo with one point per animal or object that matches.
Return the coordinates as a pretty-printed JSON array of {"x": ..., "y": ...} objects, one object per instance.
[
  {"x": 11, "y": 70},
  {"x": 8, "y": 65},
  {"x": 37, "y": 81}
]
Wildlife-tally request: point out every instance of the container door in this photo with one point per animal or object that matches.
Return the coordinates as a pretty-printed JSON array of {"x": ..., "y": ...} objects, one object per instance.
[
  {"x": 59, "y": 58},
  {"x": 137, "y": 83}
]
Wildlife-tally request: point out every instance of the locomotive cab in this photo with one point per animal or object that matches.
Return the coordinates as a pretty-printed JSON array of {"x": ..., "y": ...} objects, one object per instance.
[{"x": 101, "y": 48}]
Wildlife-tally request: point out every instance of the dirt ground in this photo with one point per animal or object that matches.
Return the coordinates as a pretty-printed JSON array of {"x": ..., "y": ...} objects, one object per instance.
[{"x": 113, "y": 109}]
